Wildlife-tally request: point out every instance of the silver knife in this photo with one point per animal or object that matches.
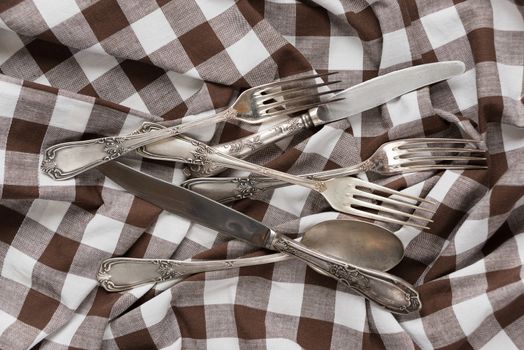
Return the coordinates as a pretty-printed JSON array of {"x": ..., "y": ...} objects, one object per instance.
[
  {"x": 391, "y": 292},
  {"x": 356, "y": 99}
]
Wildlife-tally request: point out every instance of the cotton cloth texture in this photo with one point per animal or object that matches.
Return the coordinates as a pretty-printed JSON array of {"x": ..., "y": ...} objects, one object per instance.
[{"x": 81, "y": 69}]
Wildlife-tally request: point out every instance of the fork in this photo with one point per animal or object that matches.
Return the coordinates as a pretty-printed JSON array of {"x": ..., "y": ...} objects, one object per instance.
[
  {"x": 391, "y": 158},
  {"x": 255, "y": 105},
  {"x": 348, "y": 195}
]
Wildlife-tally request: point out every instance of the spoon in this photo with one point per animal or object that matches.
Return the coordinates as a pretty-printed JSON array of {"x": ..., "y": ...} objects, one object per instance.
[{"x": 357, "y": 242}]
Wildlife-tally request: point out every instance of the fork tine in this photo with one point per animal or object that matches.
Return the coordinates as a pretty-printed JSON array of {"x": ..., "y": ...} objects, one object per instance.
[
  {"x": 392, "y": 201},
  {"x": 375, "y": 187},
  {"x": 284, "y": 81},
  {"x": 444, "y": 167},
  {"x": 389, "y": 210},
  {"x": 424, "y": 141},
  {"x": 444, "y": 149},
  {"x": 377, "y": 217},
  {"x": 299, "y": 108},
  {"x": 416, "y": 159},
  {"x": 292, "y": 91},
  {"x": 295, "y": 100}
]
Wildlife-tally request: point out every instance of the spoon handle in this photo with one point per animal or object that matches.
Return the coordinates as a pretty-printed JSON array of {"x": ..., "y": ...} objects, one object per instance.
[
  {"x": 393, "y": 293},
  {"x": 120, "y": 274}
]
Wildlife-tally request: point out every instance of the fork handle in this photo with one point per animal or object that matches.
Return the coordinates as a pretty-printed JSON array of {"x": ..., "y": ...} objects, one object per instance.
[
  {"x": 240, "y": 148},
  {"x": 68, "y": 159}
]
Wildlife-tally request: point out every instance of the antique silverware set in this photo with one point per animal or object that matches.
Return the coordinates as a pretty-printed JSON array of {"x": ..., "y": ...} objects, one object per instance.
[{"x": 356, "y": 253}]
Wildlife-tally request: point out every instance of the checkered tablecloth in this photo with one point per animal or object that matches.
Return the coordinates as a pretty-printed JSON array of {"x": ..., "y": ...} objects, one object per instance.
[{"x": 77, "y": 69}]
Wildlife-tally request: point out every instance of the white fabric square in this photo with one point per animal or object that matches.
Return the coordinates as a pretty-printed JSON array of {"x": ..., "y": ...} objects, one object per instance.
[
  {"x": 153, "y": 31},
  {"x": 212, "y": 8},
  {"x": 48, "y": 213},
  {"x": 464, "y": 89},
  {"x": 204, "y": 133},
  {"x": 65, "y": 334},
  {"x": 395, "y": 48},
  {"x": 443, "y": 26},
  {"x": 11, "y": 43},
  {"x": 470, "y": 313},
  {"x": 290, "y": 198},
  {"x": 335, "y": 7},
  {"x": 470, "y": 234},
  {"x": 441, "y": 188},
  {"x": 345, "y": 53},
  {"x": 404, "y": 109},
  {"x": 102, "y": 233},
  {"x": 500, "y": 342},
  {"x": 282, "y": 344},
  {"x": 202, "y": 235},
  {"x": 41, "y": 335},
  {"x": 507, "y": 16},
  {"x": 221, "y": 291},
  {"x": 223, "y": 343},
  {"x": 415, "y": 329},
  {"x": 356, "y": 317},
  {"x": 18, "y": 267},
  {"x": 5, "y": 321},
  {"x": 156, "y": 309},
  {"x": 177, "y": 345},
  {"x": 3, "y": 25},
  {"x": 476, "y": 268},
  {"x": 2, "y": 167},
  {"x": 135, "y": 102},
  {"x": 55, "y": 12},
  {"x": 512, "y": 136},
  {"x": 247, "y": 52},
  {"x": 385, "y": 321},
  {"x": 131, "y": 124},
  {"x": 71, "y": 114},
  {"x": 520, "y": 246},
  {"x": 75, "y": 290},
  {"x": 171, "y": 227},
  {"x": 42, "y": 80},
  {"x": 324, "y": 141},
  {"x": 9, "y": 98},
  {"x": 95, "y": 62},
  {"x": 511, "y": 78},
  {"x": 185, "y": 85},
  {"x": 286, "y": 298}
]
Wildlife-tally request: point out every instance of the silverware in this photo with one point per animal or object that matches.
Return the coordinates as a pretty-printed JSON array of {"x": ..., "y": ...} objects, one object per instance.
[
  {"x": 348, "y": 195},
  {"x": 358, "y": 98},
  {"x": 394, "y": 157},
  {"x": 255, "y": 105},
  {"x": 393, "y": 293},
  {"x": 356, "y": 242}
]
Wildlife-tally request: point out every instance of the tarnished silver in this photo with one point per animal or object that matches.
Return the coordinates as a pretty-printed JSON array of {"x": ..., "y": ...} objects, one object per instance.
[
  {"x": 357, "y": 242},
  {"x": 348, "y": 195},
  {"x": 255, "y": 105},
  {"x": 394, "y": 157},
  {"x": 358, "y": 98},
  {"x": 393, "y": 293}
]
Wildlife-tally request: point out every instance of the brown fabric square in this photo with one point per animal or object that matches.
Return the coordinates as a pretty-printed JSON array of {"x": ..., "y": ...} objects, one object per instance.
[
  {"x": 192, "y": 321},
  {"x": 255, "y": 328},
  {"x": 38, "y": 309},
  {"x": 317, "y": 279},
  {"x": 252, "y": 10},
  {"x": 312, "y": 21},
  {"x": 19, "y": 192},
  {"x": 139, "y": 248},
  {"x": 503, "y": 198},
  {"x": 105, "y": 18},
  {"x": 11, "y": 221},
  {"x": 103, "y": 303},
  {"x": 142, "y": 214},
  {"x": 137, "y": 340},
  {"x": 482, "y": 43},
  {"x": 365, "y": 23},
  {"x": 6, "y": 5},
  {"x": 33, "y": 136},
  {"x": 435, "y": 296},
  {"x": 48, "y": 54},
  {"x": 59, "y": 253},
  {"x": 314, "y": 334},
  {"x": 507, "y": 314},
  {"x": 201, "y": 43},
  {"x": 141, "y": 74},
  {"x": 445, "y": 219}
]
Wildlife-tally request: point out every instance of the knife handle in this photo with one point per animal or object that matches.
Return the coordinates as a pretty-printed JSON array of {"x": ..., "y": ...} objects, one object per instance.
[
  {"x": 168, "y": 150},
  {"x": 392, "y": 293},
  {"x": 120, "y": 274}
]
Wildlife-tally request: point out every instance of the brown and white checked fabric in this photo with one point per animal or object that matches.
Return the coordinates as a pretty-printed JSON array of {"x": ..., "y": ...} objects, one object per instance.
[{"x": 79, "y": 69}]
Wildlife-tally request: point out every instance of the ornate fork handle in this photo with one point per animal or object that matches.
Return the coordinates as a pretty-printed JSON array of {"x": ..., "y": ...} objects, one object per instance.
[
  {"x": 241, "y": 148},
  {"x": 391, "y": 292},
  {"x": 66, "y": 160}
]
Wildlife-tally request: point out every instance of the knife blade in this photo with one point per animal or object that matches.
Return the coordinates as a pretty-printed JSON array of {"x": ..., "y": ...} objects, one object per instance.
[
  {"x": 393, "y": 293},
  {"x": 358, "y": 98}
]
